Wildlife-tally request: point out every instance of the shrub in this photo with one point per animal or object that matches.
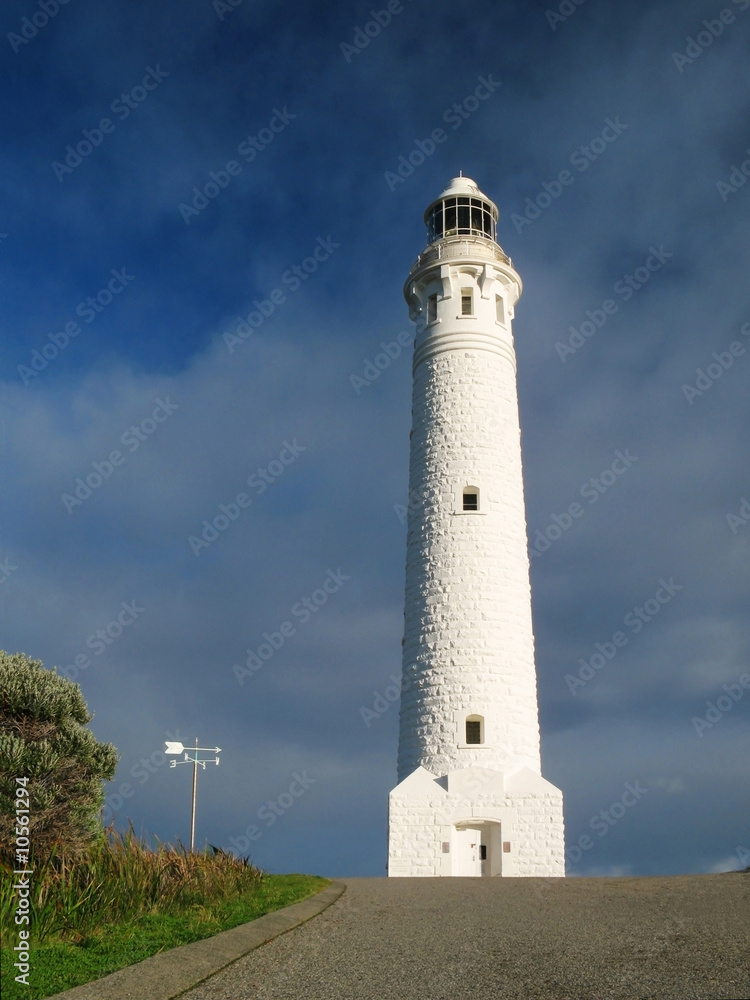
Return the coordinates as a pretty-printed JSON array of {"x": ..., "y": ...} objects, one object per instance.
[{"x": 43, "y": 738}]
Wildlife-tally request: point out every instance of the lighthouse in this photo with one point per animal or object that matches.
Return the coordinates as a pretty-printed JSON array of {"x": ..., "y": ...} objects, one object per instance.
[{"x": 471, "y": 799}]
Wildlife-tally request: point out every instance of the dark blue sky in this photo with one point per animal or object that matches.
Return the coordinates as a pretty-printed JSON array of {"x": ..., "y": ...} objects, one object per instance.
[{"x": 188, "y": 166}]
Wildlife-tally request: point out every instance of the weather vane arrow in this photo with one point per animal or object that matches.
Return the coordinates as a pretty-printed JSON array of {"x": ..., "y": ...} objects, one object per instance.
[{"x": 179, "y": 748}]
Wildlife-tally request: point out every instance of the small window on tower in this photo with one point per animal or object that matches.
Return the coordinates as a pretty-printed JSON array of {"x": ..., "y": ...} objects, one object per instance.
[
  {"x": 466, "y": 305},
  {"x": 432, "y": 309},
  {"x": 474, "y": 727},
  {"x": 500, "y": 309},
  {"x": 471, "y": 498}
]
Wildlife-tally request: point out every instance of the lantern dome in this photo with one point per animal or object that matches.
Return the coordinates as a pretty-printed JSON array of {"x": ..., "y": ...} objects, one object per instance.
[{"x": 461, "y": 210}]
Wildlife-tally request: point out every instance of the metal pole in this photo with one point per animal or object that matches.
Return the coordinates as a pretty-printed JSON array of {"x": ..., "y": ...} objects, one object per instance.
[{"x": 195, "y": 792}]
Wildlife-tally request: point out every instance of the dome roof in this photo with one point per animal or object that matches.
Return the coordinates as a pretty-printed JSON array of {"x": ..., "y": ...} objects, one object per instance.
[{"x": 462, "y": 185}]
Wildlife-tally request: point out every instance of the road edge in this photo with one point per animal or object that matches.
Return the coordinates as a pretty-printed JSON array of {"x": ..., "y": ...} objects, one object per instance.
[{"x": 171, "y": 973}]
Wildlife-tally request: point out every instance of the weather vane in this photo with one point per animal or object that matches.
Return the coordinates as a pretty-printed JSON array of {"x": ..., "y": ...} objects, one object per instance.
[{"x": 197, "y": 762}]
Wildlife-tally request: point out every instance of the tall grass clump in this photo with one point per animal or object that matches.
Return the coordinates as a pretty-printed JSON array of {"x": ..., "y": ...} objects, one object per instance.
[{"x": 119, "y": 879}]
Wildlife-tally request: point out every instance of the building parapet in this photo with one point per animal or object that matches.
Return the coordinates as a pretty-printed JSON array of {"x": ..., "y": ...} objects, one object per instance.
[{"x": 453, "y": 247}]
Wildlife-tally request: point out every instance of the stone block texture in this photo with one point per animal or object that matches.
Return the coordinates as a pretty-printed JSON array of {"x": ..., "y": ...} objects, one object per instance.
[{"x": 468, "y": 641}]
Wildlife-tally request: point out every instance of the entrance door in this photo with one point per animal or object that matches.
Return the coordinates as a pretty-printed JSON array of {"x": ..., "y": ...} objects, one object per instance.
[
  {"x": 473, "y": 850},
  {"x": 468, "y": 844}
]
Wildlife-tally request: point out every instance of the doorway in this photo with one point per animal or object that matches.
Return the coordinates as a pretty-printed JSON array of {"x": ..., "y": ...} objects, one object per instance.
[{"x": 474, "y": 855}]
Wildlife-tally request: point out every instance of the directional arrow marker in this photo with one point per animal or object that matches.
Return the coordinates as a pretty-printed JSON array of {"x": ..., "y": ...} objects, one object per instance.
[{"x": 180, "y": 748}]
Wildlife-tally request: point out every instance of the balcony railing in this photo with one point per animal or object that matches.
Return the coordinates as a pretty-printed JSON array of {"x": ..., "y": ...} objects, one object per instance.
[{"x": 452, "y": 247}]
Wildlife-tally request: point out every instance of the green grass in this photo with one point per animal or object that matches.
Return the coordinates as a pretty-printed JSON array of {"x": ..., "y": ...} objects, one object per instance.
[{"x": 123, "y": 902}]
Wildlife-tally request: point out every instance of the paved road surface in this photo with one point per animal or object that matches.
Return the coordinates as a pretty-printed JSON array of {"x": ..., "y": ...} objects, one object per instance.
[{"x": 679, "y": 938}]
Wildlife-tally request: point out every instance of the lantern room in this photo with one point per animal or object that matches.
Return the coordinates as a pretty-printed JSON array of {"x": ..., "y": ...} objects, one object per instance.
[{"x": 461, "y": 210}]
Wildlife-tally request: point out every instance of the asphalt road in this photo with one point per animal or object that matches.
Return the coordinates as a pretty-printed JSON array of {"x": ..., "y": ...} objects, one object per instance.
[{"x": 677, "y": 938}]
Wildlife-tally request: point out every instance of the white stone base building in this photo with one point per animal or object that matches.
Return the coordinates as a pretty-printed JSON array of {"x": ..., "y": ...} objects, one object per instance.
[{"x": 475, "y": 822}]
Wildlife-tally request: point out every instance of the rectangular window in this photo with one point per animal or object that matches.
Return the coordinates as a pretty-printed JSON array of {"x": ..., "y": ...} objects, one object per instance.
[
  {"x": 476, "y": 217},
  {"x": 473, "y": 732},
  {"x": 432, "y": 309},
  {"x": 450, "y": 217},
  {"x": 471, "y": 501},
  {"x": 466, "y": 296},
  {"x": 500, "y": 309},
  {"x": 436, "y": 222},
  {"x": 488, "y": 227},
  {"x": 464, "y": 215}
]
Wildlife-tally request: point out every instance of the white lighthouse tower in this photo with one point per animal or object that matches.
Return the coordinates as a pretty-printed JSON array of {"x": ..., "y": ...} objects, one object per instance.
[{"x": 471, "y": 799}]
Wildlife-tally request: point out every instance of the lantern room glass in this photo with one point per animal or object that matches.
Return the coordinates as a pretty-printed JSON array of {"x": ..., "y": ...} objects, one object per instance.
[{"x": 460, "y": 217}]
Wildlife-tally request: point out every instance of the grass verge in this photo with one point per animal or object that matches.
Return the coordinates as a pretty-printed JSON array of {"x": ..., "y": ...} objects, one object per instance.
[{"x": 164, "y": 899}]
